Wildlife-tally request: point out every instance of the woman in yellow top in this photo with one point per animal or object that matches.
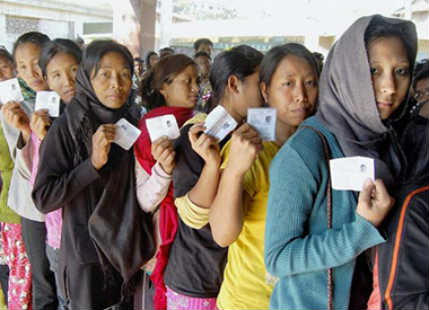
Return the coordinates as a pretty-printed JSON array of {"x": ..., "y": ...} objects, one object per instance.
[{"x": 288, "y": 83}]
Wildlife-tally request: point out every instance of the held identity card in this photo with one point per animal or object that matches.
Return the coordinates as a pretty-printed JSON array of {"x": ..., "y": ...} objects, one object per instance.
[
  {"x": 219, "y": 123},
  {"x": 126, "y": 134},
  {"x": 350, "y": 173},
  {"x": 48, "y": 100},
  {"x": 160, "y": 126},
  {"x": 264, "y": 121},
  {"x": 10, "y": 91}
]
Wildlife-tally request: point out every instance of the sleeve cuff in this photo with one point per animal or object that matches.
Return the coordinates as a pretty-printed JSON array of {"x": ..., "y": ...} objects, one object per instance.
[
  {"x": 191, "y": 214},
  {"x": 371, "y": 236},
  {"x": 157, "y": 169},
  {"x": 86, "y": 173}
]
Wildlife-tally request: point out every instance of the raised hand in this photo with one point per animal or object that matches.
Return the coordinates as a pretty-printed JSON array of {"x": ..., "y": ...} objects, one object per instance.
[
  {"x": 246, "y": 144},
  {"x": 163, "y": 152},
  {"x": 40, "y": 122},
  {"x": 101, "y": 143},
  {"x": 204, "y": 145},
  {"x": 374, "y": 202}
]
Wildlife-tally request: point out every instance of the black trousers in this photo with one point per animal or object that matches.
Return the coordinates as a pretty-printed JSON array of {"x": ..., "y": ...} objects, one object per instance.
[
  {"x": 86, "y": 288},
  {"x": 43, "y": 279},
  {"x": 4, "y": 280}
]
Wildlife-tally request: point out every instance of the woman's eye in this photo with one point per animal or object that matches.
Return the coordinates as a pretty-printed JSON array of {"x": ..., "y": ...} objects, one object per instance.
[
  {"x": 373, "y": 70},
  {"x": 311, "y": 83},
  {"x": 402, "y": 71},
  {"x": 288, "y": 83}
]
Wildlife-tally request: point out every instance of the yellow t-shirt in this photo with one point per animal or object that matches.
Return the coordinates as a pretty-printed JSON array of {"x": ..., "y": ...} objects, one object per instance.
[{"x": 245, "y": 283}]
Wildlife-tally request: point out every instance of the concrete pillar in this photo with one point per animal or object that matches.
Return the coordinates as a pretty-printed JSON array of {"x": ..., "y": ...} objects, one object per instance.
[
  {"x": 148, "y": 22},
  {"x": 134, "y": 24},
  {"x": 166, "y": 22},
  {"x": 3, "y": 35}
]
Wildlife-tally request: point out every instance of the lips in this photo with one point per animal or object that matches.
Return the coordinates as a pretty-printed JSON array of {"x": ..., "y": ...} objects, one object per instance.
[
  {"x": 68, "y": 93},
  {"x": 384, "y": 104}
]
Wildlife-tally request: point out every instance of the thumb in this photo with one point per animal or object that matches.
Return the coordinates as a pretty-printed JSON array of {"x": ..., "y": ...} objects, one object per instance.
[{"x": 365, "y": 194}]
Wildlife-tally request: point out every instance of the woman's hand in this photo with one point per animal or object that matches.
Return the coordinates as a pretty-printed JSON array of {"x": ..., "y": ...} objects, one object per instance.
[
  {"x": 246, "y": 144},
  {"x": 163, "y": 152},
  {"x": 204, "y": 145},
  {"x": 40, "y": 122},
  {"x": 374, "y": 202},
  {"x": 16, "y": 117},
  {"x": 101, "y": 143}
]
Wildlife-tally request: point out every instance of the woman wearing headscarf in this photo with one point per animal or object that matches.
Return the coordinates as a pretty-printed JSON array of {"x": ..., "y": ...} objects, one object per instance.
[
  {"x": 313, "y": 243},
  {"x": 106, "y": 237}
]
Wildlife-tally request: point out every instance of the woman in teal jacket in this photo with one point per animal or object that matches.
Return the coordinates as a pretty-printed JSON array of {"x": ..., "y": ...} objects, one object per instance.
[{"x": 364, "y": 81}]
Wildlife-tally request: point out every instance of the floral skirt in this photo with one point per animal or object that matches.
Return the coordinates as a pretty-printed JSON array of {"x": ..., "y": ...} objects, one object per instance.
[
  {"x": 176, "y": 301},
  {"x": 19, "y": 292}
]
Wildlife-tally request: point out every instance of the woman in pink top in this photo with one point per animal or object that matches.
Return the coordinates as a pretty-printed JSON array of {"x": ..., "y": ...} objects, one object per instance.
[{"x": 59, "y": 61}]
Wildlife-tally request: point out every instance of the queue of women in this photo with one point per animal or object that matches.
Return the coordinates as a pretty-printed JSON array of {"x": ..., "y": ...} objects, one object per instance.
[{"x": 198, "y": 223}]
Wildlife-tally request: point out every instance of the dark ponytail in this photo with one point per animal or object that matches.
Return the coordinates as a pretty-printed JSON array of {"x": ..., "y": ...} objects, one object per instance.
[{"x": 241, "y": 61}]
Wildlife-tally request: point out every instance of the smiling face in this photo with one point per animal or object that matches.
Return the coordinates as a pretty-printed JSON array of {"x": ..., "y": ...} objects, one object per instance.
[
  {"x": 61, "y": 75},
  {"x": 112, "y": 83},
  {"x": 27, "y": 66},
  {"x": 183, "y": 90},
  {"x": 293, "y": 90},
  {"x": 390, "y": 70}
]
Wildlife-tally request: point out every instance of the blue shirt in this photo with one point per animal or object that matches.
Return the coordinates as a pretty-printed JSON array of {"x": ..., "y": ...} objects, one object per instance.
[{"x": 299, "y": 249}]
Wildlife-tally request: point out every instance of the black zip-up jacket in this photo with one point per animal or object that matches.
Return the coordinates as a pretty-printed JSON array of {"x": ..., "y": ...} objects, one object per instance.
[{"x": 403, "y": 260}]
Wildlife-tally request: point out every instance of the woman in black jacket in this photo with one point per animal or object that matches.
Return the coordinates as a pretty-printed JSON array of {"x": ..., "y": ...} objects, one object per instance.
[
  {"x": 106, "y": 237},
  {"x": 401, "y": 265}
]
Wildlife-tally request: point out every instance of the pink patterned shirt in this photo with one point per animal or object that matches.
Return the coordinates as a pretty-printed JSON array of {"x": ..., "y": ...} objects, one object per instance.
[{"x": 54, "y": 219}]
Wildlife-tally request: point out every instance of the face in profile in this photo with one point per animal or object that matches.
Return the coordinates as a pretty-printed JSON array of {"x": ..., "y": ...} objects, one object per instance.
[
  {"x": 390, "y": 71},
  {"x": 183, "y": 90},
  {"x": 112, "y": 82},
  {"x": 293, "y": 90},
  {"x": 61, "y": 75}
]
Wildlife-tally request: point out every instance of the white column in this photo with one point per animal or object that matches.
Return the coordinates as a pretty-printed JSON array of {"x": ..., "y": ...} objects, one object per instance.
[
  {"x": 166, "y": 22},
  {"x": 3, "y": 35}
]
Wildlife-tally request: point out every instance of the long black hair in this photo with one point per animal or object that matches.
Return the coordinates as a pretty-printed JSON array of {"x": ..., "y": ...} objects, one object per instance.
[
  {"x": 34, "y": 37},
  {"x": 52, "y": 48},
  {"x": 240, "y": 61},
  {"x": 97, "y": 49}
]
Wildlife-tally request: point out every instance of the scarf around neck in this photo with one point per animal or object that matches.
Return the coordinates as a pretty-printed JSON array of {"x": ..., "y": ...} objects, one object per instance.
[
  {"x": 168, "y": 221},
  {"x": 121, "y": 231}
]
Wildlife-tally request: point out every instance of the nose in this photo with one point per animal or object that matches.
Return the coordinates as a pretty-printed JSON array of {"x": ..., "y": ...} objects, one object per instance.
[
  {"x": 195, "y": 88},
  {"x": 300, "y": 94},
  {"x": 35, "y": 71},
  {"x": 68, "y": 80},
  {"x": 115, "y": 81},
  {"x": 387, "y": 84}
]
